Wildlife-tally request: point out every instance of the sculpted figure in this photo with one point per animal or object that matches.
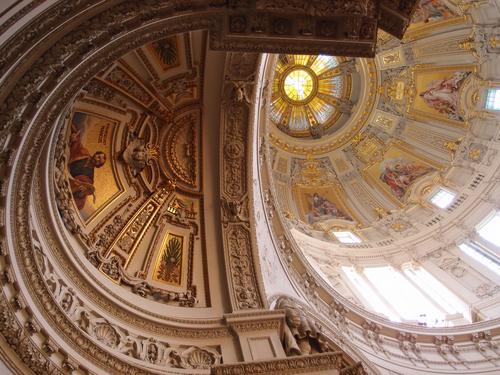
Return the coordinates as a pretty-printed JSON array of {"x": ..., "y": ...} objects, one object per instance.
[
  {"x": 301, "y": 333},
  {"x": 137, "y": 155}
]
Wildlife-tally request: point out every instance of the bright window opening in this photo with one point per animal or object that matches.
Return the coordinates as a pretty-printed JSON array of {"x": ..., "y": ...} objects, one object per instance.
[
  {"x": 369, "y": 295},
  {"x": 479, "y": 255},
  {"x": 404, "y": 297},
  {"x": 443, "y": 198},
  {"x": 298, "y": 85},
  {"x": 347, "y": 237},
  {"x": 440, "y": 294},
  {"x": 493, "y": 99},
  {"x": 489, "y": 229}
]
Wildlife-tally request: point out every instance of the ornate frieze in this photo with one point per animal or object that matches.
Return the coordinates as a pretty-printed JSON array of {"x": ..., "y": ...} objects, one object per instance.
[
  {"x": 294, "y": 365},
  {"x": 117, "y": 337}
]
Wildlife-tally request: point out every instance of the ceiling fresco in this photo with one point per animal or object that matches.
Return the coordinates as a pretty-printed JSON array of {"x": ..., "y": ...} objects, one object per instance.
[{"x": 129, "y": 176}]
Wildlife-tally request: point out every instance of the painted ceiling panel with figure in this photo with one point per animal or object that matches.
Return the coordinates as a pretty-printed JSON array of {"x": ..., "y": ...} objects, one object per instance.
[
  {"x": 90, "y": 162},
  {"x": 133, "y": 155}
]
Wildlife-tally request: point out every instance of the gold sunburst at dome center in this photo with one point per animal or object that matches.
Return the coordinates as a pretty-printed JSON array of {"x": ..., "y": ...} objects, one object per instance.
[{"x": 299, "y": 85}]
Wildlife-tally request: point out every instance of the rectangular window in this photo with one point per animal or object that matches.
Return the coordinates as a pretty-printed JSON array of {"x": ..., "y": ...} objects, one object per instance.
[
  {"x": 368, "y": 293},
  {"x": 493, "y": 99},
  {"x": 404, "y": 297},
  {"x": 443, "y": 198},
  {"x": 347, "y": 237},
  {"x": 439, "y": 293}
]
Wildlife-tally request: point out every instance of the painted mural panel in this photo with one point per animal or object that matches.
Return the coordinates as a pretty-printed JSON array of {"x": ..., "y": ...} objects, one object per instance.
[
  {"x": 91, "y": 177},
  {"x": 441, "y": 95},
  {"x": 398, "y": 171},
  {"x": 438, "y": 93},
  {"x": 430, "y": 16},
  {"x": 431, "y": 11},
  {"x": 320, "y": 203}
]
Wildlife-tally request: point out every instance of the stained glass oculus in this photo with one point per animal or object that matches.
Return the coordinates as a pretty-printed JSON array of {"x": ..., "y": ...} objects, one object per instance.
[
  {"x": 307, "y": 90},
  {"x": 298, "y": 85}
]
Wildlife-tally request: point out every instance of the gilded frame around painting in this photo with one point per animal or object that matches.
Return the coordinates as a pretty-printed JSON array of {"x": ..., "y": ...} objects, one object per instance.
[
  {"x": 421, "y": 28},
  {"x": 82, "y": 179},
  {"x": 333, "y": 198},
  {"x": 399, "y": 152},
  {"x": 422, "y": 80}
]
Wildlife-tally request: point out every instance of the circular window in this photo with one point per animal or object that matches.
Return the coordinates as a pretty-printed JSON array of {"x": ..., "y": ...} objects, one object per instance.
[
  {"x": 298, "y": 85},
  {"x": 306, "y": 90}
]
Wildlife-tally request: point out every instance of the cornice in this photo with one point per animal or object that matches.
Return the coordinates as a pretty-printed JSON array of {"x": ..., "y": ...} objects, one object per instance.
[{"x": 292, "y": 365}]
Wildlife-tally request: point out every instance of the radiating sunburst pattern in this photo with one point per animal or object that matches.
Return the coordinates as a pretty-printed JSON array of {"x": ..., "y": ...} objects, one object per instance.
[{"x": 305, "y": 92}]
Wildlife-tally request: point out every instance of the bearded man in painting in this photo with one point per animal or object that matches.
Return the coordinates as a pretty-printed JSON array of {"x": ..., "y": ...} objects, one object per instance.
[{"x": 81, "y": 164}]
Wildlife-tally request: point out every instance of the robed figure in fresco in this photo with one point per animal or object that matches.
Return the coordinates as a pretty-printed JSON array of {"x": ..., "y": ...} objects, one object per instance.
[
  {"x": 81, "y": 163},
  {"x": 442, "y": 95},
  {"x": 399, "y": 174},
  {"x": 430, "y": 11},
  {"x": 322, "y": 209}
]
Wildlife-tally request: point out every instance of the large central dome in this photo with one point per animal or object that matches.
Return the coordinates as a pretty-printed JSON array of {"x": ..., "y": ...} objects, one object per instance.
[{"x": 380, "y": 166}]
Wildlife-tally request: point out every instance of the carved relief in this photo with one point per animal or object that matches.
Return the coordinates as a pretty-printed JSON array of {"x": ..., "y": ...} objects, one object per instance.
[
  {"x": 241, "y": 264},
  {"x": 181, "y": 150},
  {"x": 302, "y": 336},
  {"x": 116, "y": 337}
]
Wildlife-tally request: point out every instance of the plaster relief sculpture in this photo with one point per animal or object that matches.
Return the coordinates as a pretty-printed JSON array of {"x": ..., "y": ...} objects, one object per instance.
[
  {"x": 138, "y": 154},
  {"x": 302, "y": 335},
  {"x": 234, "y": 212}
]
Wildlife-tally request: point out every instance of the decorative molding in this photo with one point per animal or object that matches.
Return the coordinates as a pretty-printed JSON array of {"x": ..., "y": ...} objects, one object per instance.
[
  {"x": 306, "y": 364},
  {"x": 244, "y": 288}
]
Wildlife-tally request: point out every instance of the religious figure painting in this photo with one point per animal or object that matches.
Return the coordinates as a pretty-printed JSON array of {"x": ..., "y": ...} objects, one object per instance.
[
  {"x": 320, "y": 204},
  {"x": 438, "y": 93},
  {"x": 399, "y": 169},
  {"x": 322, "y": 209},
  {"x": 91, "y": 176},
  {"x": 399, "y": 173},
  {"x": 442, "y": 95},
  {"x": 431, "y": 11}
]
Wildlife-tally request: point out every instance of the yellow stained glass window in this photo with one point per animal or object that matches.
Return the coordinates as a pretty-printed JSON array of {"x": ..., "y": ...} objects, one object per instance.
[
  {"x": 298, "y": 85},
  {"x": 305, "y": 92}
]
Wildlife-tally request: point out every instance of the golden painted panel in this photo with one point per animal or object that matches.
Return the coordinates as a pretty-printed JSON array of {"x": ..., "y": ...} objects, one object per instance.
[
  {"x": 169, "y": 262},
  {"x": 92, "y": 179},
  {"x": 438, "y": 92},
  {"x": 321, "y": 203},
  {"x": 399, "y": 169}
]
